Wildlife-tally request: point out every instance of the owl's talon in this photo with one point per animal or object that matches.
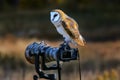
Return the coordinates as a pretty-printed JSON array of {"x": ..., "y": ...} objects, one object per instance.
[{"x": 65, "y": 43}]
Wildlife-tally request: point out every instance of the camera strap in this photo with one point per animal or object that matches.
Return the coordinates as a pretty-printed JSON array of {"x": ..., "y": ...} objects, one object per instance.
[{"x": 79, "y": 67}]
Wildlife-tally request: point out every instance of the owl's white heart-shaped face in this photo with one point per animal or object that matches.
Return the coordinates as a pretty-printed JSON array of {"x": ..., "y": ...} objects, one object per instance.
[{"x": 54, "y": 17}]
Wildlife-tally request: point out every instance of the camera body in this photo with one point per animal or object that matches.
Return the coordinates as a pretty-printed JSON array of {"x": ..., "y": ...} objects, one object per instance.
[{"x": 67, "y": 53}]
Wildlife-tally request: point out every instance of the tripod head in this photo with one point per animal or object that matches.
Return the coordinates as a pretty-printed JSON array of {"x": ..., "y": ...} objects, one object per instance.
[{"x": 41, "y": 53}]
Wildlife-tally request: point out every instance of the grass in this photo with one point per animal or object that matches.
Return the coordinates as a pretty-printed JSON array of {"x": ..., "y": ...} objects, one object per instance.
[{"x": 97, "y": 60}]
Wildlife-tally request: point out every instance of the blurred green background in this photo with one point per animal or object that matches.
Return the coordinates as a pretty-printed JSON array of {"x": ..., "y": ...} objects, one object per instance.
[
  {"x": 26, "y": 21},
  {"x": 98, "y": 20}
]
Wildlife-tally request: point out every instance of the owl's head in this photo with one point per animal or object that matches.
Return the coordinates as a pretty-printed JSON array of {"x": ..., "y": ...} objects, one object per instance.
[{"x": 56, "y": 15}]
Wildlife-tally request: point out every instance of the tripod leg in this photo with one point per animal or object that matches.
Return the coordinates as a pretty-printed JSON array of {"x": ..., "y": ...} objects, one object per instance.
[
  {"x": 59, "y": 68},
  {"x": 35, "y": 77}
]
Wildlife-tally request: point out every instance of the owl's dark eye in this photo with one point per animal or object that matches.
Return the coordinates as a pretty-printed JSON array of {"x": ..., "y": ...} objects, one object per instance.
[{"x": 55, "y": 15}]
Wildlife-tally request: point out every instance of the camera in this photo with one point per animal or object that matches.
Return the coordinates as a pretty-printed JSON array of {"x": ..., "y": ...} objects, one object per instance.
[{"x": 64, "y": 52}]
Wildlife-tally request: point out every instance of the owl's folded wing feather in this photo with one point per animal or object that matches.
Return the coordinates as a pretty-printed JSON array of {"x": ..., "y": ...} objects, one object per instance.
[{"x": 71, "y": 27}]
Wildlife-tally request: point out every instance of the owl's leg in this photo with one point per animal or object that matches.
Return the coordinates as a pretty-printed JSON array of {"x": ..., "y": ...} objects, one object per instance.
[{"x": 66, "y": 41}]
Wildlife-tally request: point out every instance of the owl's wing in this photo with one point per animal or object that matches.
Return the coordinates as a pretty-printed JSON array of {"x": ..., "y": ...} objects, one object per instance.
[{"x": 71, "y": 27}]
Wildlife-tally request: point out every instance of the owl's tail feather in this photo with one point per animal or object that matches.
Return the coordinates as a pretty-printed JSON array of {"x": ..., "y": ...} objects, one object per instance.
[{"x": 80, "y": 41}]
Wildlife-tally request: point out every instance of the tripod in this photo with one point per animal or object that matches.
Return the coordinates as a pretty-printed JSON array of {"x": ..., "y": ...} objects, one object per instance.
[{"x": 42, "y": 74}]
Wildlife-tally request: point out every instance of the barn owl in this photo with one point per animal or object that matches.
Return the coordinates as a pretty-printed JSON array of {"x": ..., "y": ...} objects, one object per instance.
[{"x": 67, "y": 27}]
